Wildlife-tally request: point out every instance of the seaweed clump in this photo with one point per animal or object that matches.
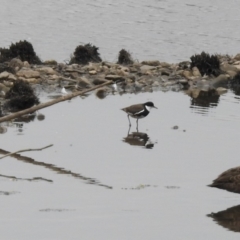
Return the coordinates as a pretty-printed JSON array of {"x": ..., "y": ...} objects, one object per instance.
[
  {"x": 21, "y": 96},
  {"x": 206, "y": 64},
  {"x": 23, "y": 50},
  {"x": 84, "y": 54},
  {"x": 124, "y": 57}
]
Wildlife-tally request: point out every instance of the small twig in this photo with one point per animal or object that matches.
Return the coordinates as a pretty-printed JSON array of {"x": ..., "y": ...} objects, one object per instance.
[{"x": 26, "y": 150}]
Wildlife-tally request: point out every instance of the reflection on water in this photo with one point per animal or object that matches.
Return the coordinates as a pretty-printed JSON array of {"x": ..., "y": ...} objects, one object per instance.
[
  {"x": 206, "y": 99},
  {"x": 229, "y": 218},
  {"x": 138, "y": 139},
  {"x": 52, "y": 167},
  {"x": 26, "y": 179},
  {"x": 19, "y": 122}
]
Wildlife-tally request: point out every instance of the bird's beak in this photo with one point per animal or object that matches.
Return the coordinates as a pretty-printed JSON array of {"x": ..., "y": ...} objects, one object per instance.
[{"x": 155, "y": 107}]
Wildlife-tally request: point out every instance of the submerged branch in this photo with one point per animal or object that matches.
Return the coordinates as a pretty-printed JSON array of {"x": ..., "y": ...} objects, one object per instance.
[{"x": 50, "y": 103}]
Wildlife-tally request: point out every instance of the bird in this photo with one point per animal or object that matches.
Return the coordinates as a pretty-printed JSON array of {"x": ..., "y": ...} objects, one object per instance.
[
  {"x": 63, "y": 90},
  {"x": 138, "y": 111},
  {"x": 228, "y": 180}
]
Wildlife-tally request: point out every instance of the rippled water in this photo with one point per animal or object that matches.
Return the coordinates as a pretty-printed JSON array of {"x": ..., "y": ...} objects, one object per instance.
[
  {"x": 98, "y": 180},
  {"x": 167, "y": 30}
]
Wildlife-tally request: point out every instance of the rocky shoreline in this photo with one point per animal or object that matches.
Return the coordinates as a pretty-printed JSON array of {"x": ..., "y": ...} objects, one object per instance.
[{"x": 203, "y": 76}]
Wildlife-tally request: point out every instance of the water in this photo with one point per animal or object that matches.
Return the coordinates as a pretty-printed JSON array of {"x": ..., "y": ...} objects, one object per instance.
[
  {"x": 92, "y": 183},
  {"x": 169, "y": 31},
  {"x": 123, "y": 191}
]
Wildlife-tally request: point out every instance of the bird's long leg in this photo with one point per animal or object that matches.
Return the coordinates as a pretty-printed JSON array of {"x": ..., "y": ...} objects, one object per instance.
[
  {"x": 137, "y": 124},
  {"x": 129, "y": 121},
  {"x": 128, "y": 130}
]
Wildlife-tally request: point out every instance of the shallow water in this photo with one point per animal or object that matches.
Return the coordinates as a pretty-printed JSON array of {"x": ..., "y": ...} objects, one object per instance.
[
  {"x": 115, "y": 190},
  {"x": 95, "y": 182}
]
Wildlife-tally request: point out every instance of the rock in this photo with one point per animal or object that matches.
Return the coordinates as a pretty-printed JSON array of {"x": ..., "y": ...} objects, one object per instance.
[
  {"x": 109, "y": 64},
  {"x": 183, "y": 81},
  {"x": 47, "y": 70},
  {"x": 4, "y": 75},
  {"x": 187, "y": 74},
  {"x": 146, "y": 68},
  {"x": 83, "y": 82},
  {"x": 133, "y": 69},
  {"x": 231, "y": 73},
  {"x": 170, "y": 83},
  {"x": 237, "y": 57},
  {"x": 29, "y": 80},
  {"x": 11, "y": 77},
  {"x": 50, "y": 62},
  {"x": 26, "y": 64},
  {"x": 3, "y": 89},
  {"x": 151, "y": 63},
  {"x": 105, "y": 69},
  {"x": 102, "y": 92},
  {"x": 74, "y": 75},
  {"x": 165, "y": 71},
  {"x": 54, "y": 77},
  {"x": 228, "y": 67},
  {"x": 16, "y": 64},
  {"x": 114, "y": 77},
  {"x": 238, "y": 67},
  {"x": 92, "y": 72},
  {"x": 221, "y": 90},
  {"x": 220, "y": 81},
  {"x": 8, "y": 84},
  {"x": 28, "y": 73},
  {"x": 196, "y": 72},
  {"x": 98, "y": 81},
  {"x": 166, "y": 65},
  {"x": 155, "y": 84}
]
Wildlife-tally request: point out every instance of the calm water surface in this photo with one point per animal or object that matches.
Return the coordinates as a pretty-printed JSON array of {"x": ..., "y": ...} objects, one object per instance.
[
  {"x": 93, "y": 183},
  {"x": 116, "y": 190}
]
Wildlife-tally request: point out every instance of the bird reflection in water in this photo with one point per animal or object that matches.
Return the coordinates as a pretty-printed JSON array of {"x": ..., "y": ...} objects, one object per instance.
[
  {"x": 138, "y": 139},
  {"x": 229, "y": 218}
]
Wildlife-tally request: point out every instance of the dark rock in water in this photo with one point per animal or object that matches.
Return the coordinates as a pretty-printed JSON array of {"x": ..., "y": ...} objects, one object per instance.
[
  {"x": 21, "y": 96},
  {"x": 101, "y": 93},
  {"x": 209, "y": 65},
  {"x": 236, "y": 80},
  {"x": 234, "y": 84},
  {"x": 85, "y": 54},
  {"x": 229, "y": 218},
  {"x": 23, "y": 49},
  {"x": 228, "y": 180},
  {"x": 124, "y": 57}
]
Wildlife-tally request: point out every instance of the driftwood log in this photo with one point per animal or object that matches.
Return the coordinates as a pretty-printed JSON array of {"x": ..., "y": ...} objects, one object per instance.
[{"x": 50, "y": 103}]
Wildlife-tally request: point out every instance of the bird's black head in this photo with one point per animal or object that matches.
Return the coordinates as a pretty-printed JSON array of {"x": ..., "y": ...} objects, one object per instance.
[{"x": 149, "y": 104}]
